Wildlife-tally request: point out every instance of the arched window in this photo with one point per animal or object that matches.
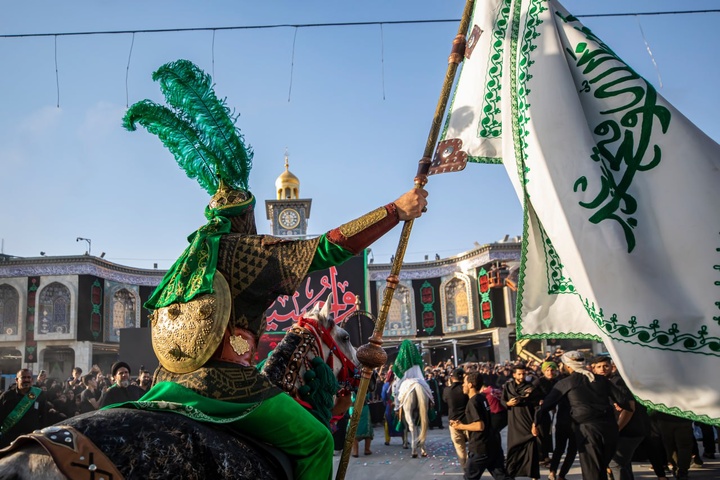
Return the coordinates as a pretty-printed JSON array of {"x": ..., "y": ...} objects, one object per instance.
[
  {"x": 54, "y": 315},
  {"x": 458, "y": 314},
  {"x": 401, "y": 315},
  {"x": 9, "y": 301},
  {"x": 123, "y": 313}
]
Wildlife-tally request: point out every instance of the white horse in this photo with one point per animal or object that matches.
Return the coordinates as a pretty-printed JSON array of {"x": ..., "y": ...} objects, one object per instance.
[{"x": 413, "y": 397}]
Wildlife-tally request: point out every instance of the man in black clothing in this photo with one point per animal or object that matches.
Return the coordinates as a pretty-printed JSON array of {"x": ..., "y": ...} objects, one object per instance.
[
  {"x": 122, "y": 390},
  {"x": 521, "y": 396},
  {"x": 434, "y": 384},
  {"x": 593, "y": 416},
  {"x": 564, "y": 442},
  {"x": 144, "y": 380},
  {"x": 88, "y": 397},
  {"x": 484, "y": 448},
  {"x": 708, "y": 440},
  {"x": 549, "y": 378},
  {"x": 632, "y": 424},
  {"x": 678, "y": 439},
  {"x": 23, "y": 408},
  {"x": 74, "y": 381},
  {"x": 456, "y": 400}
]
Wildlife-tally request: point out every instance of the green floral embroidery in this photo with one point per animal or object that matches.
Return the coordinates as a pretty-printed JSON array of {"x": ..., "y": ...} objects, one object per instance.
[
  {"x": 654, "y": 335},
  {"x": 660, "y": 407},
  {"x": 491, "y": 123},
  {"x": 519, "y": 132},
  {"x": 556, "y": 280}
]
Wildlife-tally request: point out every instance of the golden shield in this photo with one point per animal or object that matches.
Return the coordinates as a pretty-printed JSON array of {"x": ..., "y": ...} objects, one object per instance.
[{"x": 185, "y": 335}]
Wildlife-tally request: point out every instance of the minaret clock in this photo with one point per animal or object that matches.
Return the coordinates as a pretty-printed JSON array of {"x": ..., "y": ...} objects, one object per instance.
[{"x": 288, "y": 213}]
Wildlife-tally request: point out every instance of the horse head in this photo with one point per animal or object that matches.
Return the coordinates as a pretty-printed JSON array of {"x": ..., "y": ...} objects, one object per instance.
[
  {"x": 314, "y": 340},
  {"x": 340, "y": 346}
]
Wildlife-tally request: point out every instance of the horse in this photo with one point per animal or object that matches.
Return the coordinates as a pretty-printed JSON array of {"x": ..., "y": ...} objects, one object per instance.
[
  {"x": 138, "y": 444},
  {"x": 412, "y": 400}
]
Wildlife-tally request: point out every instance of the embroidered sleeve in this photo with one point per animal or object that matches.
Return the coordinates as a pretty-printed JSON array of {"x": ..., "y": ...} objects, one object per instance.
[{"x": 358, "y": 234}]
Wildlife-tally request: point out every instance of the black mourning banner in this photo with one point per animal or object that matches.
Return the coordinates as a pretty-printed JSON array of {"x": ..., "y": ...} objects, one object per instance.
[{"x": 344, "y": 282}]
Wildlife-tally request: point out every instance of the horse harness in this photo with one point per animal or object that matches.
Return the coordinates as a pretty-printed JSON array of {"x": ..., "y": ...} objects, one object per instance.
[
  {"x": 74, "y": 454},
  {"x": 313, "y": 337}
]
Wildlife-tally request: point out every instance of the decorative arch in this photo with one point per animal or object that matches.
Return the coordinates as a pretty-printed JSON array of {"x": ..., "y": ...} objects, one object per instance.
[
  {"x": 456, "y": 302},
  {"x": 54, "y": 310},
  {"x": 9, "y": 310},
  {"x": 122, "y": 310},
  {"x": 401, "y": 315}
]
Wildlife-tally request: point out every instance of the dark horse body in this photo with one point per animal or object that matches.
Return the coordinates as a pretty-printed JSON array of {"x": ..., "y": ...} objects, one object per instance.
[
  {"x": 153, "y": 445},
  {"x": 164, "y": 445}
]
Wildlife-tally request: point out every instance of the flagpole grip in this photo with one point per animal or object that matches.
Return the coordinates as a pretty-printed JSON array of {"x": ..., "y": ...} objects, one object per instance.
[{"x": 372, "y": 355}]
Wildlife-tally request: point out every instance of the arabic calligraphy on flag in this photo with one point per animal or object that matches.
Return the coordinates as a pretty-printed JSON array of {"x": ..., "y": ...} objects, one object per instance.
[{"x": 620, "y": 191}]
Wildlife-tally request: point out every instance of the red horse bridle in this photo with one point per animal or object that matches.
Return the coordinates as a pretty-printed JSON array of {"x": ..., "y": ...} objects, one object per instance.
[{"x": 347, "y": 377}]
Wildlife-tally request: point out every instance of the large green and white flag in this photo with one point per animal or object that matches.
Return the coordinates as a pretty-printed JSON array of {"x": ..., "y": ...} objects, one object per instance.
[{"x": 621, "y": 197}]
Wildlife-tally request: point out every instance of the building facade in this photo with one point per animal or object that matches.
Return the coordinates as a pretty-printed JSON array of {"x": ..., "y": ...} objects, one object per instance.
[
  {"x": 61, "y": 312},
  {"x": 460, "y": 308}
]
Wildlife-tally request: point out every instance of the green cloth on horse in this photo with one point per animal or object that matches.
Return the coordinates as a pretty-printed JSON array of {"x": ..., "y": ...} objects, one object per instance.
[
  {"x": 172, "y": 397},
  {"x": 278, "y": 420},
  {"x": 408, "y": 356}
]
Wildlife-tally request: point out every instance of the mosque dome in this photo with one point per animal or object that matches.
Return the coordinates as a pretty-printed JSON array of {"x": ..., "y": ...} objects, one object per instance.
[{"x": 287, "y": 185}]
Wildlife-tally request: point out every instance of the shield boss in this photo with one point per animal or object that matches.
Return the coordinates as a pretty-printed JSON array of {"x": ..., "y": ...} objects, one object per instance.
[{"x": 185, "y": 335}]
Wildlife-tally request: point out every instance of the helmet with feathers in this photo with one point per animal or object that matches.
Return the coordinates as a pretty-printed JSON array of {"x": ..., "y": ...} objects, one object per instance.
[{"x": 199, "y": 130}]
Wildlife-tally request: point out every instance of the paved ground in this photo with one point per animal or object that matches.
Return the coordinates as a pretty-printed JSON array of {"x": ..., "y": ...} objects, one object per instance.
[{"x": 393, "y": 463}]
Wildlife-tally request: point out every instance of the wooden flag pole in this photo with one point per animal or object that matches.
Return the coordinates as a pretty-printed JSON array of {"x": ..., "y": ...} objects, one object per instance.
[{"x": 371, "y": 355}]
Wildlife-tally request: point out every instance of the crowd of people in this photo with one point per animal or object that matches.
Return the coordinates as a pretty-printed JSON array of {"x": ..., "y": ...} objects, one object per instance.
[
  {"x": 34, "y": 402},
  {"x": 554, "y": 411},
  {"x": 568, "y": 406}
]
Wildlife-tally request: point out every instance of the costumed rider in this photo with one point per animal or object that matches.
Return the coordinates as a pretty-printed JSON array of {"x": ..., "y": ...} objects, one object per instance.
[
  {"x": 208, "y": 310},
  {"x": 408, "y": 369}
]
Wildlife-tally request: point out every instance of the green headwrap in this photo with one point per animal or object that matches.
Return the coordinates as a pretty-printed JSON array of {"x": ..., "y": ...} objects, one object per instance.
[
  {"x": 548, "y": 364},
  {"x": 192, "y": 274},
  {"x": 408, "y": 356}
]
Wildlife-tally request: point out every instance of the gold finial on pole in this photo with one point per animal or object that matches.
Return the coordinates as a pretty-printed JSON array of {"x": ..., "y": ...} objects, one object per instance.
[{"x": 372, "y": 355}]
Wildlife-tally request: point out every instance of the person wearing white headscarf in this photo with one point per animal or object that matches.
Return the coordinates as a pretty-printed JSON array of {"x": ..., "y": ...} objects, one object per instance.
[{"x": 591, "y": 410}]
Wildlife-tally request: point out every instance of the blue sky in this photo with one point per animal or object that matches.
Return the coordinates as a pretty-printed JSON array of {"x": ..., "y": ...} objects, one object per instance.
[{"x": 360, "y": 105}]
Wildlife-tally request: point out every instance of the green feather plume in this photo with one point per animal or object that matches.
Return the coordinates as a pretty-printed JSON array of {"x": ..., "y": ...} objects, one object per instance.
[
  {"x": 179, "y": 137},
  {"x": 198, "y": 129},
  {"x": 189, "y": 91}
]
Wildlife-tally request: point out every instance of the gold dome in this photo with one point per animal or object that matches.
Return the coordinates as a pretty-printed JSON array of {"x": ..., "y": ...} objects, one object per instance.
[{"x": 287, "y": 185}]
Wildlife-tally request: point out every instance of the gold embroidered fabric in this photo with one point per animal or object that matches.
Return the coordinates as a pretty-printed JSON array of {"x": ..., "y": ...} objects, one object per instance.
[
  {"x": 223, "y": 381},
  {"x": 356, "y": 226},
  {"x": 259, "y": 269},
  {"x": 226, "y": 196}
]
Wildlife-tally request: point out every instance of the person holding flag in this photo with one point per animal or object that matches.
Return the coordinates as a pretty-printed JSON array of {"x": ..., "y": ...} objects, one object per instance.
[{"x": 208, "y": 312}]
